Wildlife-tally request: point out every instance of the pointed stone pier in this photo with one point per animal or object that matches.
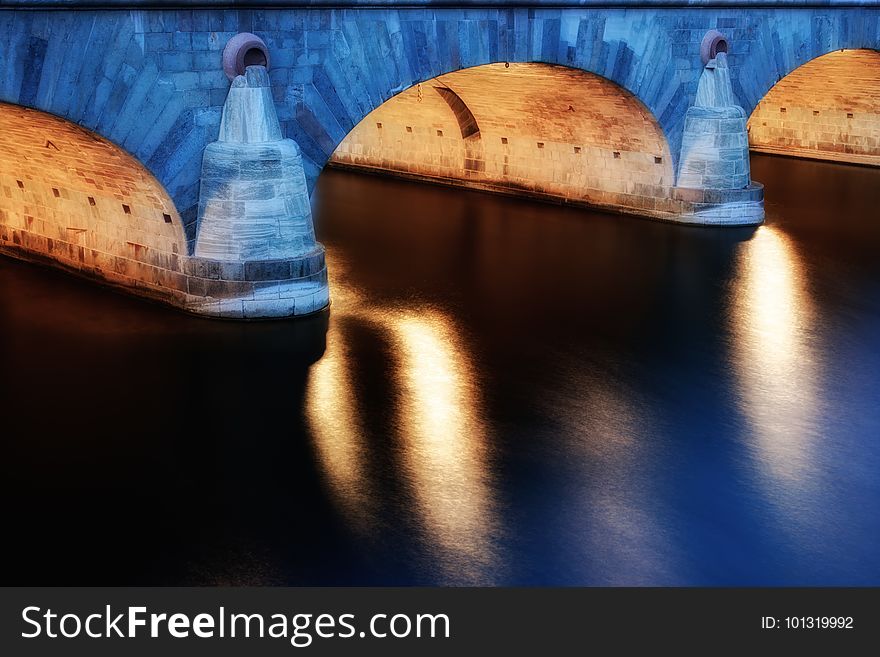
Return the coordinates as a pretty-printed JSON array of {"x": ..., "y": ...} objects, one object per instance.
[
  {"x": 255, "y": 237},
  {"x": 714, "y": 179}
]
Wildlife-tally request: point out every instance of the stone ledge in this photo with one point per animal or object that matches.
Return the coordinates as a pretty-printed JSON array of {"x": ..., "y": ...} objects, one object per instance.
[
  {"x": 366, "y": 4},
  {"x": 723, "y": 207},
  {"x": 685, "y": 206},
  {"x": 754, "y": 192},
  {"x": 814, "y": 154},
  {"x": 749, "y": 213},
  {"x": 282, "y": 288},
  {"x": 717, "y": 113},
  {"x": 307, "y": 264}
]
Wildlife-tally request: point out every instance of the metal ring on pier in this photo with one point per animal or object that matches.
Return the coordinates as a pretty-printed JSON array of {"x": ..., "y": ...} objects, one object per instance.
[
  {"x": 243, "y": 50},
  {"x": 713, "y": 43}
]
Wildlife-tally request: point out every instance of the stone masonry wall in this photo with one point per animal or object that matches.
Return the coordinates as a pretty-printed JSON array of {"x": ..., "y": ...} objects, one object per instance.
[
  {"x": 151, "y": 82},
  {"x": 73, "y": 196},
  {"x": 72, "y": 199},
  {"x": 828, "y": 108},
  {"x": 545, "y": 131}
]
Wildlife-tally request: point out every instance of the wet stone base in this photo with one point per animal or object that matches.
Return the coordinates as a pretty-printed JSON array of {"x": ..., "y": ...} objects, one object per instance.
[
  {"x": 260, "y": 289},
  {"x": 711, "y": 207},
  {"x": 237, "y": 290},
  {"x": 722, "y": 207}
]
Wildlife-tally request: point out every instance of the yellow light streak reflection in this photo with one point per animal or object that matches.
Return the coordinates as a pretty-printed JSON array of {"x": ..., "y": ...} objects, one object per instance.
[
  {"x": 338, "y": 436},
  {"x": 445, "y": 470},
  {"x": 445, "y": 451},
  {"x": 775, "y": 363}
]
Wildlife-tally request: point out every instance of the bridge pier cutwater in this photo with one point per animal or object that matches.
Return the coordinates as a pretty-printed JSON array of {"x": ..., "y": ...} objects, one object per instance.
[{"x": 135, "y": 152}]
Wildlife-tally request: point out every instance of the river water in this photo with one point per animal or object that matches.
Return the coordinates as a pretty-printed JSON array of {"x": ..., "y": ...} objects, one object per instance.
[{"x": 503, "y": 392}]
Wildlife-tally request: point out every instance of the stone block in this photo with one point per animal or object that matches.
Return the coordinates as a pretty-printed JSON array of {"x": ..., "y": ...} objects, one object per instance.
[
  {"x": 267, "y": 308},
  {"x": 157, "y": 42},
  {"x": 267, "y": 270},
  {"x": 261, "y": 170},
  {"x": 202, "y": 268}
]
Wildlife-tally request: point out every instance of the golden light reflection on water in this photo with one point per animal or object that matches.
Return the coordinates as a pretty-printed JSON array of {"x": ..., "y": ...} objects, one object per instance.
[
  {"x": 444, "y": 443},
  {"x": 332, "y": 414},
  {"x": 775, "y": 363}
]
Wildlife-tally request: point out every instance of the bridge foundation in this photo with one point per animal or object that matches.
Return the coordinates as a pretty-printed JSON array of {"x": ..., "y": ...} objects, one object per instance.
[
  {"x": 714, "y": 176},
  {"x": 112, "y": 164},
  {"x": 254, "y": 212}
]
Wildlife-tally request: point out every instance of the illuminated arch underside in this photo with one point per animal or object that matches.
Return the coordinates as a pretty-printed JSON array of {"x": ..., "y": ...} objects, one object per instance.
[
  {"x": 69, "y": 196},
  {"x": 828, "y": 109},
  {"x": 544, "y": 131}
]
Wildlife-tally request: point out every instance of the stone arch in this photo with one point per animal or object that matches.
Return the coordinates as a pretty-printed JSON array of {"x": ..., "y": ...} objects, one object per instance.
[
  {"x": 474, "y": 156},
  {"x": 545, "y": 131},
  {"x": 827, "y": 108},
  {"x": 786, "y": 40},
  {"x": 152, "y": 80},
  {"x": 127, "y": 78},
  {"x": 73, "y": 197},
  {"x": 373, "y": 58}
]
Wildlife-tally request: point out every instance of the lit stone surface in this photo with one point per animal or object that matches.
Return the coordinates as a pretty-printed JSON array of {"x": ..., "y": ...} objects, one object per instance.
[
  {"x": 715, "y": 147},
  {"x": 249, "y": 112},
  {"x": 72, "y": 199},
  {"x": 544, "y": 131},
  {"x": 70, "y": 196},
  {"x": 254, "y": 201},
  {"x": 829, "y": 108},
  {"x": 150, "y": 82}
]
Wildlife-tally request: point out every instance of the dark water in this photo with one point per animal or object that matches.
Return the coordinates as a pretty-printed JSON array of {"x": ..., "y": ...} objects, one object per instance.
[{"x": 503, "y": 393}]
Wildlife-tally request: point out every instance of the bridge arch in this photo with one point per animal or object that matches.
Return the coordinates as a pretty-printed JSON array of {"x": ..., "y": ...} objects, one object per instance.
[
  {"x": 152, "y": 81},
  {"x": 73, "y": 197},
  {"x": 375, "y": 61},
  {"x": 827, "y": 108},
  {"x": 532, "y": 129}
]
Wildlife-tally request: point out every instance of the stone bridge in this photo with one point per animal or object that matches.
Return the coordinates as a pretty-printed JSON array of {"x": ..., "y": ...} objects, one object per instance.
[{"x": 113, "y": 163}]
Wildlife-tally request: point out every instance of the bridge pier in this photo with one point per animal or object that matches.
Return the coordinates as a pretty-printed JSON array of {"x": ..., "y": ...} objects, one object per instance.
[
  {"x": 111, "y": 166},
  {"x": 714, "y": 174},
  {"x": 254, "y": 212}
]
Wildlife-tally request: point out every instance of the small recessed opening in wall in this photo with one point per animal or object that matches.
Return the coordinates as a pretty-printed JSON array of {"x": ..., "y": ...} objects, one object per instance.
[
  {"x": 815, "y": 112},
  {"x": 504, "y": 140},
  {"x": 439, "y": 133},
  {"x": 126, "y": 209},
  {"x": 91, "y": 200},
  {"x": 255, "y": 57},
  {"x": 55, "y": 193},
  {"x": 409, "y": 128},
  {"x": 658, "y": 159},
  {"x": 540, "y": 144},
  {"x": 616, "y": 155},
  {"x": 20, "y": 184},
  {"x": 379, "y": 126},
  {"x": 782, "y": 110},
  {"x": 849, "y": 115},
  {"x": 167, "y": 218},
  {"x": 577, "y": 149}
]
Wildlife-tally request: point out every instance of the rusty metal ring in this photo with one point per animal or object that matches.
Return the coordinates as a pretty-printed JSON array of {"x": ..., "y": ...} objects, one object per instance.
[
  {"x": 243, "y": 50},
  {"x": 713, "y": 43}
]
